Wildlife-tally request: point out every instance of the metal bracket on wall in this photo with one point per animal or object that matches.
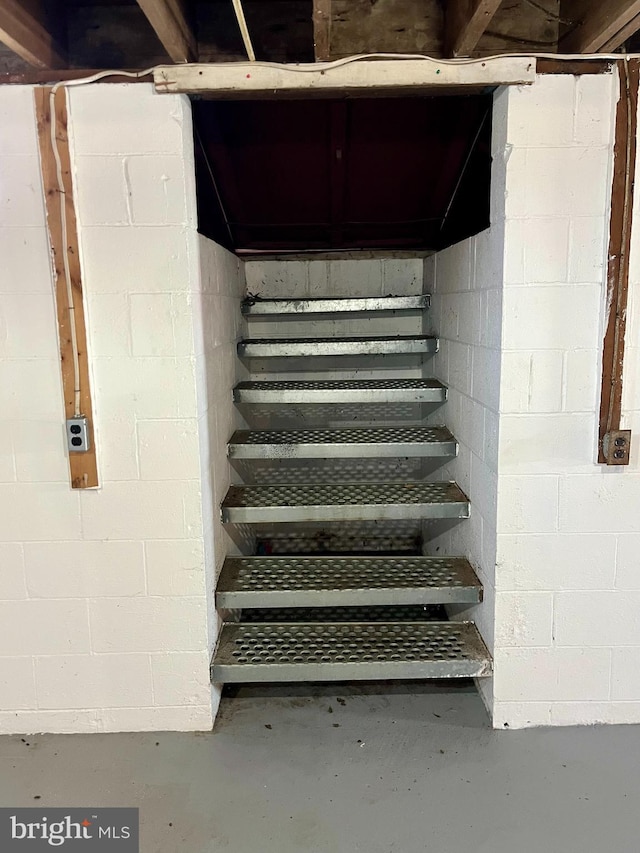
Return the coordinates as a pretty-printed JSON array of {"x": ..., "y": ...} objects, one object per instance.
[{"x": 624, "y": 152}]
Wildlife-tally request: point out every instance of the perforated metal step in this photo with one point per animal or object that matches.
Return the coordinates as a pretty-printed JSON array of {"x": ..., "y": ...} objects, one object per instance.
[
  {"x": 326, "y": 443},
  {"x": 258, "y": 306},
  {"x": 349, "y": 651},
  {"x": 342, "y": 391},
  {"x": 345, "y": 581},
  {"x": 343, "y": 502},
  {"x": 300, "y": 347}
]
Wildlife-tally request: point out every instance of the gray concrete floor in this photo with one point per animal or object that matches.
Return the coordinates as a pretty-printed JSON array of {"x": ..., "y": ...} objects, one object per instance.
[{"x": 413, "y": 768}]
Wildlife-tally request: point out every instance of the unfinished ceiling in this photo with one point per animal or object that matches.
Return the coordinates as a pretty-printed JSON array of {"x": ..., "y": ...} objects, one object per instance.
[{"x": 101, "y": 34}]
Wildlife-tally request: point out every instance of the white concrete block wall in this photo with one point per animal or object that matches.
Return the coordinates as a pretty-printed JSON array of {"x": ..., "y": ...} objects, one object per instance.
[
  {"x": 104, "y": 596},
  {"x": 219, "y": 325},
  {"x": 352, "y": 276},
  {"x": 568, "y": 572},
  {"x": 466, "y": 285}
]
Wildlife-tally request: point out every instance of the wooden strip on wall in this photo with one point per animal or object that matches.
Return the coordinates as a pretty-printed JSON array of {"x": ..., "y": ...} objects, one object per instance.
[
  {"x": 83, "y": 467},
  {"x": 624, "y": 163}
]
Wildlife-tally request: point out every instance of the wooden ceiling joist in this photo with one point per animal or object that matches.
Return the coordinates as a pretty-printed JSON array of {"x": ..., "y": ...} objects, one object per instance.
[
  {"x": 322, "y": 29},
  {"x": 22, "y": 31},
  {"x": 465, "y": 22},
  {"x": 597, "y": 25},
  {"x": 170, "y": 23},
  {"x": 620, "y": 37}
]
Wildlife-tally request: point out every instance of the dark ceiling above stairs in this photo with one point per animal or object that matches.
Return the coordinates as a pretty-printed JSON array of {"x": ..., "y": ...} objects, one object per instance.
[{"x": 384, "y": 173}]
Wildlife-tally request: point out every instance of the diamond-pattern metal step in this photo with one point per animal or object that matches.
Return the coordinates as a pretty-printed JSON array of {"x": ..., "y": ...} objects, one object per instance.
[
  {"x": 349, "y": 651},
  {"x": 343, "y": 502},
  {"x": 327, "y": 443},
  {"x": 342, "y": 391},
  {"x": 346, "y": 581},
  {"x": 264, "y": 307},
  {"x": 301, "y": 347}
]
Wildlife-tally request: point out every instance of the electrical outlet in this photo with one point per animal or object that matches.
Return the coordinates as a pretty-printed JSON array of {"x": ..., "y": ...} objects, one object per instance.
[
  {"x": 616, "y": 446},
  {"x": 78, "y": 435}
]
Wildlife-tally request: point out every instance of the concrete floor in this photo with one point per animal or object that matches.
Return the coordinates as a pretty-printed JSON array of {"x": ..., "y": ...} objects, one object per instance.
[{"x": 414, "y": 769}]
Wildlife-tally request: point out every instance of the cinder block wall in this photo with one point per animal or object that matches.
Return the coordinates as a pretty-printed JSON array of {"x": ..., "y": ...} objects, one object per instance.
[
  {"x": 520, "y": 310},
  {"x": 465, "y": 281},
  {"x": 568, "y": 565},
  {"x": 218, "y": 324},
  {"x": 357, "y": 275},
  {"x": 106, "y": 595},
  {"x": 351, "y": 276}
]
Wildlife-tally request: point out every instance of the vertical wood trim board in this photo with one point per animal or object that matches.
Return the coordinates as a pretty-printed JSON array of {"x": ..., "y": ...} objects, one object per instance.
[
  {"x": 82, "y": 466},
  {"x": 624, "y": 164}
]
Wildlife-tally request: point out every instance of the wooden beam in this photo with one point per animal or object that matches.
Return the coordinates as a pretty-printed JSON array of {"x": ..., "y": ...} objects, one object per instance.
[
  {"x": 465, "y": 22},
  {"x": 596, "y": 25},
  {"x": 367, "y": 78},
  {"x": 322, "y": 29},
  {"x": 575, "y": 66},
  {"x": 83, "y": 467},
  {"x": 50, "y": 77},
  {"x": 620, "y": 37},
  {"x": 624, "y": 161},
  {"x": 170, "y": 22},
  {"x": 22, "y": 31}
]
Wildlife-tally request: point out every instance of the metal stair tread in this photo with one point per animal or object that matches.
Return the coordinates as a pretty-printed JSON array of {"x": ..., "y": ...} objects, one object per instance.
[
  {"x": 343, "y": 502},
  {"x": 347, "y": 651},
  {"x": 377, "y": 442},
  {"x": 320, "y": 581},
  {"x": 257, "y": 306},
  {"x": 341, "y": 391},
  {"x": 359, "y": 345}
]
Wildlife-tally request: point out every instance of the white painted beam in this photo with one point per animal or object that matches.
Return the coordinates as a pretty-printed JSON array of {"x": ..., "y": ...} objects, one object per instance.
[{"x": 367, "y": 76}]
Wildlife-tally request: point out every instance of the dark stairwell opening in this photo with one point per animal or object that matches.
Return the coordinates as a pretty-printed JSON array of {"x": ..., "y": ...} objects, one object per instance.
[{"x": 382, "y": 174}]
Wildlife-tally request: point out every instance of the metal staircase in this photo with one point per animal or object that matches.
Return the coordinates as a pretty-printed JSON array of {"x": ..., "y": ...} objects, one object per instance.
[{"x": 337, "y": 587}]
